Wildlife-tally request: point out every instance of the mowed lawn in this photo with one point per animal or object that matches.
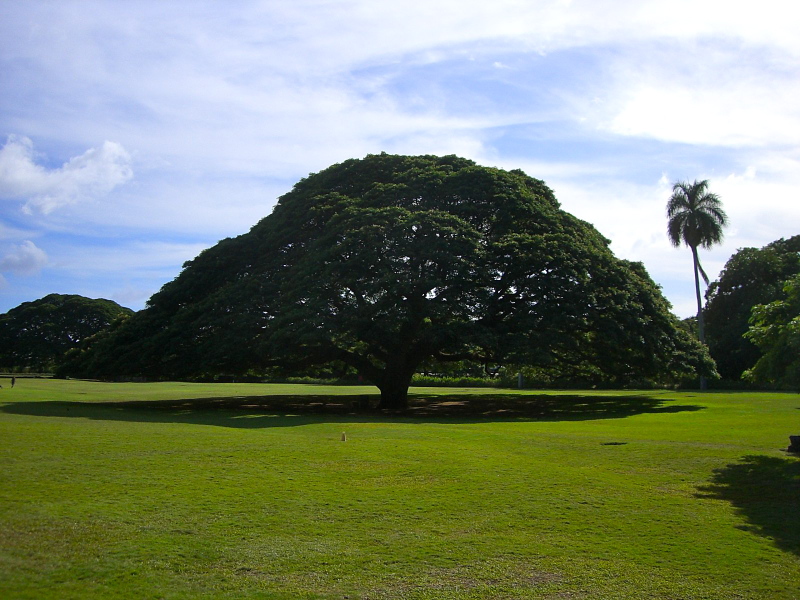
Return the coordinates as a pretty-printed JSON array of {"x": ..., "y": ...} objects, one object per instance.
[{"x": 248, "y": 491}]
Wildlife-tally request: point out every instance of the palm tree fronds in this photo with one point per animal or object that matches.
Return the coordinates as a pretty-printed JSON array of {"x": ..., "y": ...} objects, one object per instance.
[{"x": 695, "y": 217}]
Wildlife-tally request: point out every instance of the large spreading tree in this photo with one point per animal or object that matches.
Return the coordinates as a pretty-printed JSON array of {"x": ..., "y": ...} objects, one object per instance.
[
  {"x": 35, "y": 335},
  {"x": 389, "y": 262}
]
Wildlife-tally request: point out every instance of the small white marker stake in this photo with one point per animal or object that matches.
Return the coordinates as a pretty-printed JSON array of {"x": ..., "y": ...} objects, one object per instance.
[{"x": 344, "y": 436}]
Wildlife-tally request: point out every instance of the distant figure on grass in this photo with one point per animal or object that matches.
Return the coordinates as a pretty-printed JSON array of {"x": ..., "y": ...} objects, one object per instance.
[{"x": 13, "y": 381}]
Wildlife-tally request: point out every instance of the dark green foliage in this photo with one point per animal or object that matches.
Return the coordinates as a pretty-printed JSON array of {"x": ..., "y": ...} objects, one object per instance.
[
  {"x": 752, "y": 276},
  {"x": 392, "y": 262},
  {"x": 35, "y": 335},
  {"x": 775, "y": 329}
]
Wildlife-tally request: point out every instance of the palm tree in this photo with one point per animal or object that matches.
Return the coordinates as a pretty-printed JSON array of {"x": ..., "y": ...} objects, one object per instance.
[{"x": 695, "y": 218}]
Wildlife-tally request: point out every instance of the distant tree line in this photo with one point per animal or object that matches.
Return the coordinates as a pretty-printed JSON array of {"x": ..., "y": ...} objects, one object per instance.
[{"x": 34, "y": 336}]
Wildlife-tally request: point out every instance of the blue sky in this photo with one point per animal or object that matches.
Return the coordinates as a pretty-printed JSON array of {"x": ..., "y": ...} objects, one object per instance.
[{"x": 135, "y": 134}]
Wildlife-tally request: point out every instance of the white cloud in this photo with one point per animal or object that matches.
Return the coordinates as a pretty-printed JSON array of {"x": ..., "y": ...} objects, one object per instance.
[
  {"x": 94, "y": 173},
  {"x": 694, "y": 110},
  {"x": 761, "y": 201},
  {"x": 24, "y": 259}
]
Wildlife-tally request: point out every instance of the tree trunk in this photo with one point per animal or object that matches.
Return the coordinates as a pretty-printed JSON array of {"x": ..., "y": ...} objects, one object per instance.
[
  {"x": 394, "y": 383},
  {"x": 701, "y": 329},
  {"x": 394, "y": 398}
]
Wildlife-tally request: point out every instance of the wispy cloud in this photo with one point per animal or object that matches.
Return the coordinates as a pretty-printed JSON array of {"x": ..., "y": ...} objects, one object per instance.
[
  {"x": 734, "y": 96},
  {"x": 95, "y": 172}
]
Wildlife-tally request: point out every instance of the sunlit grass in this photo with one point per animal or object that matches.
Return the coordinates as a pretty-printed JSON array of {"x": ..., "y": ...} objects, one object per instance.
[{"x": 218, "y": 491}]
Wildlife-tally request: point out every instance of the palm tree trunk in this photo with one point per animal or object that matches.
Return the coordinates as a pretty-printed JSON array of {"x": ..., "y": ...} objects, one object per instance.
[{"x": 701, "y": 329}]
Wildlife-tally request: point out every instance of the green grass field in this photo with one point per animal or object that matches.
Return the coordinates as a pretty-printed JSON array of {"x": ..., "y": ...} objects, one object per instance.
[{"x": 248, "y": 491}]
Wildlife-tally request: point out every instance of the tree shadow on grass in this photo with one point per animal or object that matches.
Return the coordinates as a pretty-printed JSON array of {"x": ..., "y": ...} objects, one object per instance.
[
  {"x": 285, "y": 411},
  {"x": 766, "y": 491}
]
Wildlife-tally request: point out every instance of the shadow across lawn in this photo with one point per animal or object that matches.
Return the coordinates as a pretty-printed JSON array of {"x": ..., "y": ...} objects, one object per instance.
[
  {"x": 766, "y": 491},
  {"x": 286, "y": 411}
]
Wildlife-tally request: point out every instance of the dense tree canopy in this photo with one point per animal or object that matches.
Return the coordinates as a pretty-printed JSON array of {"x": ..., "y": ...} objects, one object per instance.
[
  {"x": 775, "y": 329},
  {"x": 384, "y": 263},
  {"x": 751, "y": 276},
  {"x": 35, "y": 335}
]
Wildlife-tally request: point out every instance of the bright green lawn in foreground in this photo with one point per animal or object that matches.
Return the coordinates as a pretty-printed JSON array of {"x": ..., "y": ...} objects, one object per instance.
[{"x": 169, "y": 491}]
